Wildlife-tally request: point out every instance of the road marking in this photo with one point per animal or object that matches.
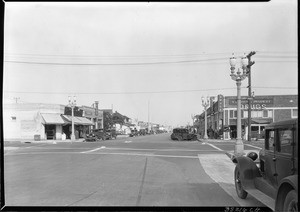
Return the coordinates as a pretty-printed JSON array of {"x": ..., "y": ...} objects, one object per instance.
[
  {"x": 162, "y": 150},
  {"x": 253, "y": 146},
  {"x": 142, "y": 184},
  {"x": 93, "y": 150},
  {"x": 128, "y": 142},
  {"x": 104, "y": 153},
  {"x": 215, "y": 147}
]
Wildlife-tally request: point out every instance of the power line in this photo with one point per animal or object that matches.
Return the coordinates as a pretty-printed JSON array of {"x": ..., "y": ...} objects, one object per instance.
[
  {"x": 123, "y": 56},
  {"x": 150, "y": 56},
  {"x": 133, "y": 92},
  {"x": 115, "y": 64},
  {"x": 276, "y": 87},
  {"x": 137, "y": 64}
]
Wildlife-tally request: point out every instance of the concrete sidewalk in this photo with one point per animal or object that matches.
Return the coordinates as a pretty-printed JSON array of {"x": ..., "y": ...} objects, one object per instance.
[
  {"x": 259, "y": 144},
  {"x": 19, "y": 141}
]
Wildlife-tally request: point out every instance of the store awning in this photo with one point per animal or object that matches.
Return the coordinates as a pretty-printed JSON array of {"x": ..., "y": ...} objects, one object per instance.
[
  {"x": 244, "y": 121},
  {"x": 78, "y": 120},
  {"x": 53, "y": 118},
  {"x": 261, "y": 120}
]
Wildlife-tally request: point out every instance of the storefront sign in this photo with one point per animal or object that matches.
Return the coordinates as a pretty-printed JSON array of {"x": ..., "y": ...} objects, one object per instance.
[
  {"x": 258, "y": 104},
  {"x": 220, "y": 103}
]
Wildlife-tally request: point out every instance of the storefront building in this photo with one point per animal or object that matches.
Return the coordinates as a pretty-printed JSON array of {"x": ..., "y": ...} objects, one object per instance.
[
  {"x": 222, "y": 115},
  {"x": 94, "y": 115},
  {"x": 38, "y": 121}
]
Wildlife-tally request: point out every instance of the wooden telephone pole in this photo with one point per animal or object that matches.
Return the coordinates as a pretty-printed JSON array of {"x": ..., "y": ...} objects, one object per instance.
[{"x": 250, "y": 98}]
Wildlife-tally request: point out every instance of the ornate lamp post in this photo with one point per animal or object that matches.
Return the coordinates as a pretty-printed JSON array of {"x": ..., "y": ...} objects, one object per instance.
[
  {"x": 205, "y": 104},
  {"x": 72, "y": 104},
  {"x": 238, "y": 77}
]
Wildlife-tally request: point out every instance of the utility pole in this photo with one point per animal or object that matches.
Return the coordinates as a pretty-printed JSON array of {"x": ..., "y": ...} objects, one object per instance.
[
  {"x": 16, "y": 98},
  {"x": 250, "y": 98},
  {"x": 148, "y": 115}
]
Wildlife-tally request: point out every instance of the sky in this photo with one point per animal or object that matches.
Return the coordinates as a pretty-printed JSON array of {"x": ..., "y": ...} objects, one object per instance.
[{"x": 148, "y": 61}]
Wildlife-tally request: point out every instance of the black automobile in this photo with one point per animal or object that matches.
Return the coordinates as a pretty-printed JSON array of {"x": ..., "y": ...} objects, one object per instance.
[
  {"x": 95, "y": 135},
  {"x": 111, "y": 134},
  {"x": 275, "y": 176},
  {"x": 181, "y": 134},
  {"x": 133, "y": 133}
]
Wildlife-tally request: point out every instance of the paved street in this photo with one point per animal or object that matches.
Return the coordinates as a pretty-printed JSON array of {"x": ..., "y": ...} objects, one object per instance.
[{"x": 140, "y": 171}]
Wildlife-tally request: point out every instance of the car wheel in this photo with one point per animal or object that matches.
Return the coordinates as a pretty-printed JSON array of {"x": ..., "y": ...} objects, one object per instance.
[
  {"x": 291, "y": 201},
  {"x": 238, "y": 184}
]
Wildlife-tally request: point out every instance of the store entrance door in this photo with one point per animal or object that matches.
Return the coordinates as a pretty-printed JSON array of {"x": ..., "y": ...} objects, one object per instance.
[{"x": 50, "y": 131}]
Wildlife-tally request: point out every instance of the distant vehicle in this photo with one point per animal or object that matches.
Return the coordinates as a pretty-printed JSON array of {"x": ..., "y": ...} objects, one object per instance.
[
  {"x": 181, "y": 134},
  {"x": 97, "y": 134},
  {"x": 276, "y": 174},
  {"x": 111, "y": 133},
  {"x": 133, "y": 133},
  {"x": 142, "y": 132}
]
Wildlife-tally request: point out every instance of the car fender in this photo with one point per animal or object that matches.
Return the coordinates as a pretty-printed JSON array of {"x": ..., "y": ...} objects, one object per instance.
[
  {"x": 286, "y": 184},
  {"x": 248, "y": 171}
]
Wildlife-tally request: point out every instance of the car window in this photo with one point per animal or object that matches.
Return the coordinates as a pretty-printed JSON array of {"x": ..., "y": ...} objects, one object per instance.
[
  {"x": 270, "y": 140},
  {"x": 285, "y": 139}
]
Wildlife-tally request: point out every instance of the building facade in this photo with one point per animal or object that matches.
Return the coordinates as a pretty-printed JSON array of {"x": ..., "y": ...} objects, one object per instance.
[
  {"x": 222, "y": 115},
  {"x": 39, "y": 121}
]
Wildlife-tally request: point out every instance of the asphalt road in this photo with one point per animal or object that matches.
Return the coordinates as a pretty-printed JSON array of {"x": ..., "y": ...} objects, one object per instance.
[{"x": 140, "y": 171}]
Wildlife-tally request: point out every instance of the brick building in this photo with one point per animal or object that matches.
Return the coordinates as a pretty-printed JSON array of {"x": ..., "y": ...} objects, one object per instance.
[{"x": 222, "y": 114}]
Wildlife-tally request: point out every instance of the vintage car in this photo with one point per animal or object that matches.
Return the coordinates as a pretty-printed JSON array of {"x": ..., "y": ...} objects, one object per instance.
[
  {"x": 142, "y": 132},
  {"x": 275, "y": 175},
  {"x": 133, "y": 133},
  {"x": 97, "y": 134},
  {"x": 111, "y": 134},
  {"x": 181, "y": 134}
]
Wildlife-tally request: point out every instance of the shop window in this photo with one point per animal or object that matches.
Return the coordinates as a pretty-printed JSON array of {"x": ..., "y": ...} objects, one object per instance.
[
  {"x": 233, "y": 114},
  {"x": 257, "y": 114},
  {"x": 254, "y": 114},
  {"x": 265, "y": 113},
  {"x": 245, "y": 112},
  {"x": 294, "y": 113},
  {"x": 270, "y": 113}
]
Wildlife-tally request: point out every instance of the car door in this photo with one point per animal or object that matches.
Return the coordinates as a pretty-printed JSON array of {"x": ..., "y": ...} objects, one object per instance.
[
  {"x": 284, "y": 154},
  {"x": 270, "y": 160}
]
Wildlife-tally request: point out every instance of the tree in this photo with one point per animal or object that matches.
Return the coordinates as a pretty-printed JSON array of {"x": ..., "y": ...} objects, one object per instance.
[{"x": 107, "y": 120}]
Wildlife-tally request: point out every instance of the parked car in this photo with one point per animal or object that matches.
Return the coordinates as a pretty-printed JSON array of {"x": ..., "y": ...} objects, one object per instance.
[
  {"x": 133, "y": 133},
  {"x": 111, "y": 133},
  {"x": 181, "y": 134},
  {"x": 142, "y": 132},
  {"x": 96, "y": 134},
  {"x": 276, "y": 173}
]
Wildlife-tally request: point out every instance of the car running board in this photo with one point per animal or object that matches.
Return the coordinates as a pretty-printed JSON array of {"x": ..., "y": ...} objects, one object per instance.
[{"x": 260, "y": 196}]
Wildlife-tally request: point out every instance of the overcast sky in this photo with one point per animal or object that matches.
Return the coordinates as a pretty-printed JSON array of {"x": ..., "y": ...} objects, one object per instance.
[{"x": 131, "y": 55}]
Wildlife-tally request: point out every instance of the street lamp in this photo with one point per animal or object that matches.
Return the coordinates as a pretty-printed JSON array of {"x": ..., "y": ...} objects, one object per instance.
[
  {"x": 205, "y": 104},
  {"x": 72, "y": 104},
  {"x": 238, "y": 77}
]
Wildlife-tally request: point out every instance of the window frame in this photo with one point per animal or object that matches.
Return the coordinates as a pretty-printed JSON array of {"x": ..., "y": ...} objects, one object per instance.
[{"x": 279, "y": 149}]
